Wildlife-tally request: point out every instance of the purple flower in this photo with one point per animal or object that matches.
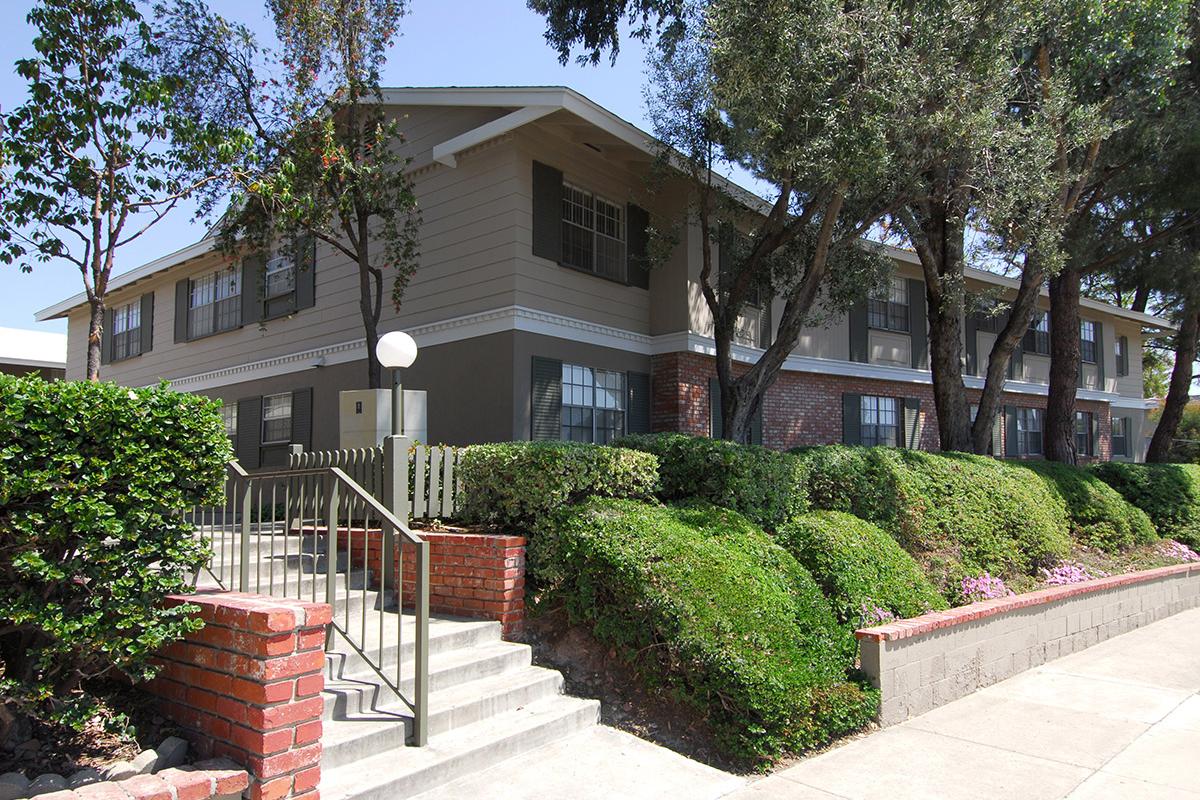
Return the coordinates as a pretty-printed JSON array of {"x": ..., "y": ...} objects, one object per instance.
[
  {"x": 1177, "y": 551},
  {"x": 984, "y": 587},
  {"x": 874, "y": 615},
  {"x": 1066, "y": 572}
]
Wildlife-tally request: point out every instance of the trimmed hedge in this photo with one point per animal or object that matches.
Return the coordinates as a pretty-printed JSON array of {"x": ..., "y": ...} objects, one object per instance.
[
  {"x": 1100, "y": 516},
  {"x": 701, "y": 599},
  {"x": 1168, "y": 493},
  {"x": 859, "y": 567},
  {"x": 516, "y": 485},
  {"x": 765, "y": 485},
  {"x": 92, "y": 477},
  {"x": 958, "y": 514}
]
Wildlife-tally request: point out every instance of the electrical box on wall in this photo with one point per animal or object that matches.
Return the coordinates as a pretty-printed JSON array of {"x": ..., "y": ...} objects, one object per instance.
[{"x": 365, "y": 417}]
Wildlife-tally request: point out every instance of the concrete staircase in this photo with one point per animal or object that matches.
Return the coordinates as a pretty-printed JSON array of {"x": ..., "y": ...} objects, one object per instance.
[{"x": 487, "y": 702}]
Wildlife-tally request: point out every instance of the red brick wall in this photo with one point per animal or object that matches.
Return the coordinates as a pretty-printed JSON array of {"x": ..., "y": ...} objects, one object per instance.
[
  {"x": 805, "y": 408},
  {"x": 248, "y": 687}
]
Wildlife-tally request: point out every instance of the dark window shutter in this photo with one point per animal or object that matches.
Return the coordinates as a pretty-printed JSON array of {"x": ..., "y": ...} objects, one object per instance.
[
  {"x": 1094, "y": 431},
  {"x": 545, "y": 420},
  {"x": 249, "y": 432},
  {"x": 547, "y": 213},
  {"x": 637, "y": 413},
  {"x": 715, "y": 415},
  {"x": 851, "y": 419},
  {"x": 1099, "y": 357},
  {"x": 766, "y": 330},
  {"x": 998, "y": 434},
  {"x": 302, "y": 417},
  {"x": 1016, "y": 362},
  {"x": 912, "y": 423},
  {"x": 1010, "y": 433},
  {"x": 858, "y": 332},
  {"x": 1123, "y": 357},
  {"x": 971, "y": 323},
  {"x": 106, "y": 337},
  {"x": 637, "y": 257},
  {"x": 916, "y": 324},
  {"x": 756, "y": 424},
  {"x": 253, "y": 267},
  {"x": 182, "y": 290},
  {"x": 147, "y": 322},
  {"x": 306, "y": 272}
]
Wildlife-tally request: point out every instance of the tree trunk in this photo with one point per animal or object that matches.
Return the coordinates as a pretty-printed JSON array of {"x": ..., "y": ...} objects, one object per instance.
[
  {"x": 1064, "y": 367},
  {"x": 95, "y": 339},
  {"x": 368, "y": 306},
  {"x": 1181, "y": 384}
]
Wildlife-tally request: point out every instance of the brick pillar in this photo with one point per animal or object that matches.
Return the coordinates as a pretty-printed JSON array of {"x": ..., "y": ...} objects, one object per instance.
[{"x": 248, "y": 687}]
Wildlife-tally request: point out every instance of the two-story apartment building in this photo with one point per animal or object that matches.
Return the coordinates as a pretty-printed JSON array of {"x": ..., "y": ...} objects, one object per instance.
[{"x": 537, "y": 317}]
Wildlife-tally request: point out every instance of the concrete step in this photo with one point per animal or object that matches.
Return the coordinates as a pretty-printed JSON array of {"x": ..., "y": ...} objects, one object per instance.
[
  {"x": 447, "y": 669},
  {"x": 407, "y": 771},
  {"x": 360, "y": 733},
  {"x": 449, "y": 638}
]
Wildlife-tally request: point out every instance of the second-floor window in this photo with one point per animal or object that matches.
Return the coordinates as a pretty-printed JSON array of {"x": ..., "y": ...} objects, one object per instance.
[
  {"x": 887, "y": 307},
  {"x": 593, "y": 233},
  {"x": 277, "y": 418},
  {"x": 1084, "y": 421},
  {"x": 127, "y": 331},
  {"x": 280, "y": 276},
  {"x": 1120, "y": 436},
  {"x": 593, "y": 404},
  {"x": 1029, "y": 432},
  {"x": 880, "y": 421},
  {"x": 1087, "y": 341},
  {"x": 229, "y": 417},
  {"x": 1037, "y": 338},
  {"x": 214, "y": 303},
  {"x": 1121, "y": 351}
]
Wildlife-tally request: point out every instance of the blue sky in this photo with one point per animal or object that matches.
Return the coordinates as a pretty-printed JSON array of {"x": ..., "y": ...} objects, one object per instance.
[{"x": 443, "y": 42}]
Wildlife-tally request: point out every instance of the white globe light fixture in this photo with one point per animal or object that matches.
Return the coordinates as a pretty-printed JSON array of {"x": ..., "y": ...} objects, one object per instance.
[{"x": 397, "y": 351}]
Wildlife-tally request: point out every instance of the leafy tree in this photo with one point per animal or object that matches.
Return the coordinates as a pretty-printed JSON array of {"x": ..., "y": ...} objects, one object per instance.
[
  {"x": 596, "y": 24},
  {"x": 98, "y": 154},
  {"x": 328, "y": 163}
]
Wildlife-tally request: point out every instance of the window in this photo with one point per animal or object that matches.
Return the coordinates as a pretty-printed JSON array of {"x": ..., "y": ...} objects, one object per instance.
[
  {"x": 1083, "y": 433},
  {"x": 1029, "y": 432},
  {"x": 127, "y": 331},
  {"x": 887, "y": 308},
  {"x": 1120, "y": 436},
  {"x": 277, "y": 418},
  {"x": 593, "y": 233},
  {"x": 229, "y": 417},
  {"x": 280, "y": 276},
  {"x": 593, "y": 404},
  {"x": 1037, "y": 338},
  {"x": 879, "y": 421},
  {"x": 1087, "y": 341},
  {"x": 214, "y": 303},
  {"x": 1121, "y": 350}
]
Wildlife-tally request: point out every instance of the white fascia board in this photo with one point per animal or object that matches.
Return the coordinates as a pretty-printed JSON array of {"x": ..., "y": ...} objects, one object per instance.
[
  {"x": 33, "y": 362},
  {"x": 445, "y": 152},
  {"x": 125, "y": 278}
]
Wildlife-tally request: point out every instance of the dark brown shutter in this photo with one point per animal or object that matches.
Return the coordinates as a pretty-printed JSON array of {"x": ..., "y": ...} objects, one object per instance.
[
  {"x": 306, "y": 272},
  {"x": 1010, "y": 433},
  {"x": 1094, "y": 433},
  {"x": 253, "y": 267},
  {"x": 971, "y": 323},
  {"x": 545, "y": 421},
  {"x": 916, "y": 324},
  {"x": 716, "y": 426},
  {"x": 756, "y": 424},
  {"x": 912, "y": 422},
  {"x": 302, "y": 417},
  {"x": 1099, "y": 358},
  {"x": 637, "y": 406},
  {"x": 858, "y": 332},
  {"x": 106, "y": 337},
  {"x": 638, "y": 259},
  {"x": 249, "y": 432},
  {"x": 182, "y": 292},
  {"x": 147, "y": 322},
  {"x": 547, "y": 213},
  {"x": 852, "y": 419}
]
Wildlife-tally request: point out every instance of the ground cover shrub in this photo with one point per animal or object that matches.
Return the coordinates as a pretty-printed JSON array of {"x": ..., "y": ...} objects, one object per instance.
[
  {"x": 1168, "y": 493},
  {"x": 702, "y": 600},
  {"x": 516, "y": 485},
  {"x": 765, "y": 485},
  {"x": 1100, "y": 516},
  {"x": 866, "y": 575},
  {"x": 959, "y": 515},
  {"x": 92, "y": 477}
]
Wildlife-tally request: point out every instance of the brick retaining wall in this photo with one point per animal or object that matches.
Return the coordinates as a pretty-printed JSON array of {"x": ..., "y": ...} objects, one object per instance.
[
  {"x": 924, "y": 662},
  {"x": 216, "y": 778},
  {"x": 247, "y": 687}
]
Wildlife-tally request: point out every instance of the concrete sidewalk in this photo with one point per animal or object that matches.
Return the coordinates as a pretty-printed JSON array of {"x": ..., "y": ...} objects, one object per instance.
[{"x": 1118, "y": 720}]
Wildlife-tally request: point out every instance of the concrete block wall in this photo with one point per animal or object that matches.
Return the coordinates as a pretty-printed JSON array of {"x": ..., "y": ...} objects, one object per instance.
[
  {"x": 247, "y": 687},
  {"x": 924, "y": 662}
]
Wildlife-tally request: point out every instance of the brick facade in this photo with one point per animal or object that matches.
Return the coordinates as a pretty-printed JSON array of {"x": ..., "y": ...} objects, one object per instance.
[
  {"x": 805, "y": 408},
  {"x": 247, "y": 687}
]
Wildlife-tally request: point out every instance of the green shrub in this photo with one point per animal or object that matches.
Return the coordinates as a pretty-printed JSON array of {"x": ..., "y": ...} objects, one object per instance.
[
  {"x": 92, "y": 477},
  {"x": 864, "y": 573},
  {"x": 701, "y": 599},
  {"x": 1168, "y": 493},
  {"x": 765, "y": 485},
  {"x": 957, "y": 514},
  {"x": 517, "y": 484},
  {"x": 1100, "y": 517}
]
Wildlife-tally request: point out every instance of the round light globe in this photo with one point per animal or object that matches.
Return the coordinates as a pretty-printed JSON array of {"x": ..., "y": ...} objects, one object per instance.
[{"x": 396, "y": 350}]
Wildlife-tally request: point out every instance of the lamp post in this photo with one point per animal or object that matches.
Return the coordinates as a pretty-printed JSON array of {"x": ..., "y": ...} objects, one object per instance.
[{"x": 396, "y": 351}]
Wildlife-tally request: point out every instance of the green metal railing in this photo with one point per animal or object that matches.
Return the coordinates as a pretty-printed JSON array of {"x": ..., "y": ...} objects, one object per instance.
[{"x": 316, "y": 534}]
